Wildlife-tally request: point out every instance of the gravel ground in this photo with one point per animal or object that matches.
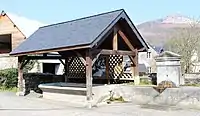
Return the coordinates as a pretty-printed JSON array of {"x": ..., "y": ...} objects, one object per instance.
[{"x": 12, "y": 105}]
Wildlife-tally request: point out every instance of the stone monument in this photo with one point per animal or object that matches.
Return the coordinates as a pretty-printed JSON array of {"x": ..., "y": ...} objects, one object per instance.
[{"x": 169, "y": 68}]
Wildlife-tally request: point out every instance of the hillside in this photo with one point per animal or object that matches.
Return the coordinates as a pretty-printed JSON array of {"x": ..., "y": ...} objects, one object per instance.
[{"x": 158, "y": 31}]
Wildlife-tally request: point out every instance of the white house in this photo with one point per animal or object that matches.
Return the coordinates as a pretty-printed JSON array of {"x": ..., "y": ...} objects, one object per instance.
[{"x": 148, "y": 58}]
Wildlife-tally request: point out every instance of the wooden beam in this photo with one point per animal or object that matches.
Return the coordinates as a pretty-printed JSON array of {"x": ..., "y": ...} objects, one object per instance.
[
  {"x": 62, "y": 62},
  {"x": 51, "y": 50},
  {"x": 95, "y": 58},
  {"x": 142, "y": 49},
  {"x": 44, "y": 57},
  {"x": 113, "y": 52},
  {"x": 80, "y": 57},
  {"x": 128, "y": 43},
  {"x": 89, "y": 76},
  {"x": 115, "y": 39},
  {"x": 24, "y": 63},
  {"x": 132, "y": 60}
]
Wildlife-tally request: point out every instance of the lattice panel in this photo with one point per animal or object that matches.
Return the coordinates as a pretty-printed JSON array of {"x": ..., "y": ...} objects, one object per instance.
[
  {"x": 76, "y": 68},
  {"x": 116, "y": 69},
  {"x": 115, "y": 66},
  {"x": 126, "y": 76}
]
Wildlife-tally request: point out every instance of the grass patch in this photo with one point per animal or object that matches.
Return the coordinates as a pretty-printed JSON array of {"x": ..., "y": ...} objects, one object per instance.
[
  {"x": 115, "y": 99},
  {"x": 142, "y": 82},
  {"x": 3, "y": 88},
  {"x": 145, "y": 82},
  {"x": 120, "y": 99}
]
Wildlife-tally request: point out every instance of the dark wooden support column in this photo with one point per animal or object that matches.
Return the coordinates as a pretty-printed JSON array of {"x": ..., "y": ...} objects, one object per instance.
[
  {"x": 107, "y": 69},
  {"x": 89, "y": 76},
  {"x": 20, "y": 76},
  {"x": 66, "y": 66}
]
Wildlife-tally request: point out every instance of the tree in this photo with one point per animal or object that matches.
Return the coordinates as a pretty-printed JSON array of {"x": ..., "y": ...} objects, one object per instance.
[{"x": 185, "y": 41}]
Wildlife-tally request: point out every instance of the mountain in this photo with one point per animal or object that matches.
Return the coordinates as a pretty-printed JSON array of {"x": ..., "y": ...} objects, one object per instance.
[{"x": 158, "y": 31}]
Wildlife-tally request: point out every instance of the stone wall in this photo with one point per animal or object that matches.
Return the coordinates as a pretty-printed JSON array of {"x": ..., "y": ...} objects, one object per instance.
[
  {"x": 32, "y": 80},
  {"x": 192, "y": 78},
  {"x": 7, "y": 62},
  {"x": 141, "y": 95}
]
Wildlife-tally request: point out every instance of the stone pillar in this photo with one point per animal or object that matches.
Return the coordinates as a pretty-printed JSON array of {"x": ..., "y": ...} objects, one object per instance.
[{"x": 21, "y": 81}]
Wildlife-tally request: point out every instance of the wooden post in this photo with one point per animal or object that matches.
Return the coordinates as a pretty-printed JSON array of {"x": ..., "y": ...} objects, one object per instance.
[
  {"x": 115, "y": 39},
  {"x": 107, "y": 69},
  {"x": 20, "y": 77},
  {"x": 136, "y": 70},
  {"x": 89, "y": 77},
  {"x": 66, "y": 65},
  {"x": 115, "y": 44}
]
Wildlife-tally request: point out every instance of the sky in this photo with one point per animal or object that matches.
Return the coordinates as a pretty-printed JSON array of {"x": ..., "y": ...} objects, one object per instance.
[{"x": 54, "y": 11}]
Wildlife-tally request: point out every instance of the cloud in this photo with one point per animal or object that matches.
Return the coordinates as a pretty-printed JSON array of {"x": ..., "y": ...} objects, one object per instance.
[{"x": 25, "y": 25}]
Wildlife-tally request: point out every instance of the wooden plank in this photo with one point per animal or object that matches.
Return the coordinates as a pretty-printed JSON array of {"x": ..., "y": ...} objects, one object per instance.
[
  {"x": 89, "y": 75},
  {"x": 51, "y": 50},
  {"x": 113, "y": 52},
  {"x": 132, "y": 60},
  {"x": 95, "y": 57},
  {"x": 115, "y": 39},
  {"x": 107, "y": 69},
  {"x": 142, "y": 49},
  {"x": 20, "y": 74},
  {"x": 128, "y": 43},
  {"x": 62, "y": 62},
  {"x": 44, "y": 57}
]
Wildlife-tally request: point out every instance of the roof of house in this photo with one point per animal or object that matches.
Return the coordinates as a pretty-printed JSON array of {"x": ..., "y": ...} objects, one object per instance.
[
  {"x": 25, "y": 25},
  {"x": 142, "y": 68},
  {"x": 169, "y": 54},
  {"x": 158, "y": 49},
  {"x": 79, "y": 32}
]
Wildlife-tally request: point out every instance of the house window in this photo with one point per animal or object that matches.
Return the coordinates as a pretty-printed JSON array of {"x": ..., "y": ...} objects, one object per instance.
[
  {"x": 49, "y": 68},
  {"x": 149, "y": 69},
  {"x": 148, "y": 54},
  {"x": 5, "y": 43}
]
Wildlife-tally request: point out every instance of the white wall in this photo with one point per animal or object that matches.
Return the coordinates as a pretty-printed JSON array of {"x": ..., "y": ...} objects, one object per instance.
[
  {"x": 38, "y": 67},
  {"x": 148, "y": 62}
]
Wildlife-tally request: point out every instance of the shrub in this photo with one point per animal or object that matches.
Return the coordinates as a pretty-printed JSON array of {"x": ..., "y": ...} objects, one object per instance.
[
  {"x": 145, "y": 82},
  {"x": 8, "y": 77}
]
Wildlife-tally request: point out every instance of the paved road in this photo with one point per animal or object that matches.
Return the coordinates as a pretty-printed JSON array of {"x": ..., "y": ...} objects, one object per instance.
[{"x": 11, "y": 105}]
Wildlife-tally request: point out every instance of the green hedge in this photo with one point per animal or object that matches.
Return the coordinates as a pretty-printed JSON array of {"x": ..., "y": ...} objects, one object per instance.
[{"x": 8, "y": 77}]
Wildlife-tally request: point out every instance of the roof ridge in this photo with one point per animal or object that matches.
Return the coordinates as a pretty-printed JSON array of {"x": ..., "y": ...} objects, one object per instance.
[{"x": 83, "y": 18}]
